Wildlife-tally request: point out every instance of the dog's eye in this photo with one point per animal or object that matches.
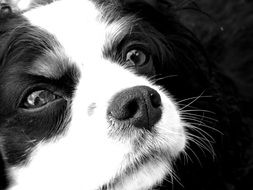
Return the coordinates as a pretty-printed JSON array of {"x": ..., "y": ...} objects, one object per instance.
[
  {"x": 38, "y": 99},
  {"x": 136, "y": 57}
]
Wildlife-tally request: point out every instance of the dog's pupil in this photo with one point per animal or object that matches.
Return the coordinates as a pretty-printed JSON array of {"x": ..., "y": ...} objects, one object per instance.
[
  {"x": 40, "y": 98},
  {"x": 37, "y": 101},
  {"x": 136, "y": 57}
]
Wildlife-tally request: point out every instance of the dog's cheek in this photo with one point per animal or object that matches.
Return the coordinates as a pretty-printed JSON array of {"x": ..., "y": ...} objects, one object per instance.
[
  {"x": 69, "y": 161},
  {"x": 26, "y": 129}
]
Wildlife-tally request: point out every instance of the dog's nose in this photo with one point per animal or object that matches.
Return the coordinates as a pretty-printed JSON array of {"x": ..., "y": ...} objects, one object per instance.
[{"x": 140, "y": 106}]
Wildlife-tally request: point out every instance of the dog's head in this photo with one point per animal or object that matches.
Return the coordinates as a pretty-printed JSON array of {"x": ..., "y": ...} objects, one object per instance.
[{"x": 82, "y": 105}]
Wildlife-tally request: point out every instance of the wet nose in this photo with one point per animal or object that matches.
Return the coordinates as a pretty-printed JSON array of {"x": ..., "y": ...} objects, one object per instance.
[{"x": 140, "y": 106}]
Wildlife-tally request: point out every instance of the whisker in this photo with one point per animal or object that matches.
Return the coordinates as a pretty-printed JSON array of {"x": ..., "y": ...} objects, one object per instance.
[
  {"x": 190, "y": 149},
  {"x": 202, "y": 133},
  {"x": 174, "y": 176},
  {"x": 154, "y": 76},
  {"x": 198, "y": 122},
  {"x": 185, "y": 152},
  {"x": 186, "y": 156},
  {"x": 202, "y": 143},
  {"x": 184, "y": 100},
  {"x": 204, "y": 125},
  {"x": 198, "y": 97},
  {"x": 165, "y": 77},
  {"x": 201, "y": 117},
  {"x": 198, "y": 110}
]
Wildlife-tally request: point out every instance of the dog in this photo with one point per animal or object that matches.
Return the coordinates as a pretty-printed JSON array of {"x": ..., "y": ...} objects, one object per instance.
[
  {"x": 102, "y": 95},
  {"x": 79, "y": 112}
]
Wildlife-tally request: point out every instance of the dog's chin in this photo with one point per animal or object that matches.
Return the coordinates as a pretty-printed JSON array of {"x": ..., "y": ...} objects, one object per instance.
[
  {"x": 140, "y": 174},
  {"x": 141, "y": 170},
  {"x": 147, "y": 164}
]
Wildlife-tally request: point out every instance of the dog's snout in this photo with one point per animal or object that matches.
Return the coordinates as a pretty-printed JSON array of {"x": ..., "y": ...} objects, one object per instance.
[{"x": 139, "y": 105}]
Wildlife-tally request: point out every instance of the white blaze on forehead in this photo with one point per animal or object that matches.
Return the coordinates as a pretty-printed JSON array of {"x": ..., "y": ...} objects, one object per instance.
[
  {"x": 80, "y": 29},
  {"x": 77, "y": 28}
]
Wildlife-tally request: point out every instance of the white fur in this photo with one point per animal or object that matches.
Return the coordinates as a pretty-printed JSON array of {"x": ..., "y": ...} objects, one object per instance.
[
  {"x": 20, "y": 4},
  {"x": 85, "y": 157}
]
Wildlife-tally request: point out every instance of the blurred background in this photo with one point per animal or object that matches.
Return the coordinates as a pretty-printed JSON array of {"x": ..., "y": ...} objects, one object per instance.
[{"x": 225, "y": 28}]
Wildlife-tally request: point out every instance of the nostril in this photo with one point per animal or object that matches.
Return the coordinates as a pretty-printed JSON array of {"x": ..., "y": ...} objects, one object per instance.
[
  {"x": 155, "y": 99},
  {"x": 126, "y": 110},
  {"x": 131, "y": 109}
]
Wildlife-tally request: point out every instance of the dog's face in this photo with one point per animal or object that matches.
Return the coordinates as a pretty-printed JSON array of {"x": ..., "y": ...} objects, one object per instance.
[{"x": 78, "y": 107}]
